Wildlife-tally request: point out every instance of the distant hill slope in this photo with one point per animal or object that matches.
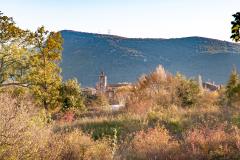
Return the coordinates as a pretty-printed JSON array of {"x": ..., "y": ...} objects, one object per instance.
[{"x": 125, "y": 59}]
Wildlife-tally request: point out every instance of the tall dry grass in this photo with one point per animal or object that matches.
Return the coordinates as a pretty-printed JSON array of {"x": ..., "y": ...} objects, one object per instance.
[{"x": 25, "y": 133}]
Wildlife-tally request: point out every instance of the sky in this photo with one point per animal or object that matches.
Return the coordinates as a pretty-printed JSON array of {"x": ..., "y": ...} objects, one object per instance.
[{"x": 127, "y": 18}]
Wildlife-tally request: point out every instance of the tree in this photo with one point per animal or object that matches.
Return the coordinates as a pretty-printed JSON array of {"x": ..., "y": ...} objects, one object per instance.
[
  {"x": 13, "y": 52},
  {"x": 236, "y": 27},
  {"x": 44, "y": 75},
  {"x": 71, "y": 95},
  {"x": 31, "y": 60},
  {"x": 232, "y": 87},
  {"x": 187, "y": 90}
]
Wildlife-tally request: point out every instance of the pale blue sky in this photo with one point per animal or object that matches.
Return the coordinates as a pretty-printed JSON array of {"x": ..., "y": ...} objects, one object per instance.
[{"x": 129, "y": 18}]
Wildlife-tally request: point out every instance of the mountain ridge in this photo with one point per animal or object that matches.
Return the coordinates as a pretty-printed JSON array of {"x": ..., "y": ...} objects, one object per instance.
[
  {"x": 142, "y": 38},
  {"x": 125, "y": 59}
]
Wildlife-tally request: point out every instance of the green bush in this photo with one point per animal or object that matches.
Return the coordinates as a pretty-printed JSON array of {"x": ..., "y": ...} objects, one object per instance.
[
  {"x": 71, "y": 95},
  {"x": 188, "y": 91},
  {"x": 233, "y": 87},
  {"x": 98, "y": 102}
]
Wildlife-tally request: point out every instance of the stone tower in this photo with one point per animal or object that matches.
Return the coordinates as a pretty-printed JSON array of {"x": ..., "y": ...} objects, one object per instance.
[
  {"x": 200, "y": 82},
  {"x": 102, "y": 85}
]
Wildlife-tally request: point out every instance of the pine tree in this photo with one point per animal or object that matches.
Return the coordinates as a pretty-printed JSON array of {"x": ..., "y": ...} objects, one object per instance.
[
  {"x": 232, "y": 85},
  {"x": 44, "y": 75}
]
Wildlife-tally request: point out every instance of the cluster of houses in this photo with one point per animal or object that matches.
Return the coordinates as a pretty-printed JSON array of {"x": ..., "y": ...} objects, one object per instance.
[
  {"x": 210, "y": 86},
  {"x": 109, "y": 90},
  {"x": 103, "y": 87}
]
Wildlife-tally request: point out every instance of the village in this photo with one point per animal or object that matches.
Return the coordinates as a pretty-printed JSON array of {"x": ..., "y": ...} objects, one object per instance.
[{"x": 109, "y": 90}]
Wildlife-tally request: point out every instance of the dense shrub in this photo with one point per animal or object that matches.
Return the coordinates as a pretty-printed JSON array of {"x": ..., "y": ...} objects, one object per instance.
[
  {"x": 80, "y": 146},
  {"x": 162, "y": 89},
  {"x": 212, "y": 143},
  {"x": 71, "y": 95},
  {"x": 188, "y": 91},
  {"x": 24, "y": 133},
  {"x": 172, "y": 118},
  {"x": 233, "y": 88},
  {"x": 153, "y": 144},
  {"x": 149, "y": 90},
  {"x": 219, "y": 142},
  {"x": 97, "y": 102}
]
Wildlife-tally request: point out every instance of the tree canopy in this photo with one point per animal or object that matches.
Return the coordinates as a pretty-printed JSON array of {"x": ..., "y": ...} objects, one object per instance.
[
  {"x": 14, "y": 55},
  {"x": 236, "y": 27},
  {"x": 44, "y": 74},
  {"x": 31, "y": 60}
]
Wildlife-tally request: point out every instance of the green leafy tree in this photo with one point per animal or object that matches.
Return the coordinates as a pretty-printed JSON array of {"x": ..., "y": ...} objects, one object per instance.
[
  {"x": 31, "y": 60},
  {"x": 44, "y": 75},
  {"x": 71, "y": 95},
  {"x": 236, "y": 27},
  {"x": 13, "y": 52}
]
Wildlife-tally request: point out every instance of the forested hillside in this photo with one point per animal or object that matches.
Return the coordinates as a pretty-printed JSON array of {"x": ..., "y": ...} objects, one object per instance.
[{"x": 124, "y": 59}]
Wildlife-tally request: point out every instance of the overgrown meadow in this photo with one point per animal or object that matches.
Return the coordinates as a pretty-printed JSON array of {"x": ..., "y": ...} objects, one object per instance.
[{"x": 165, "y": 116}]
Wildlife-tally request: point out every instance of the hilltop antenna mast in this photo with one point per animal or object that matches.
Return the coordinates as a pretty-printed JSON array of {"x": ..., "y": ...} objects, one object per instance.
[{"x": 109, "y": 31}]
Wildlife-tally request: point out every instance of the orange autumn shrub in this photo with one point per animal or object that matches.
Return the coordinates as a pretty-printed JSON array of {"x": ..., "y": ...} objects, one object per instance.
[
  {"x": 212, "y": 143},
  {"x": 82, "y": 146},
  {"x": 155, "y": 143}
]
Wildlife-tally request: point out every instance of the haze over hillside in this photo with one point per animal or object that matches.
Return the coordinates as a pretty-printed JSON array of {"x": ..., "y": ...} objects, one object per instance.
[{"x": 125, "y": 59}]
